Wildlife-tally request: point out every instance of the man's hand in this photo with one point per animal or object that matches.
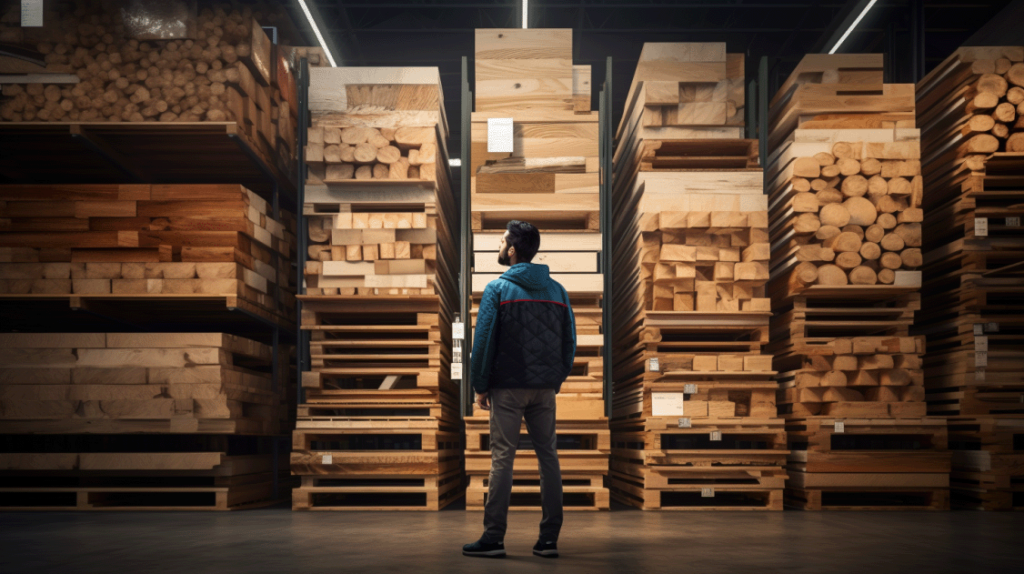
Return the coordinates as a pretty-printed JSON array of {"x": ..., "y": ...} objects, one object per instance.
[{"x": 483, "y": 400}]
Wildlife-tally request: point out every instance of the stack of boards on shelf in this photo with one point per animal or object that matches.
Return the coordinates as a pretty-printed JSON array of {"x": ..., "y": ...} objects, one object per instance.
[
  {"x": 971, "y": 110},
  {"x": 139, "y": 421},
  {"x": 379, "y": 428},
  {"x": 215, "y": 66},
  {"x": 694, "y": 420},
  {"x": 845, "y": 194},
  {"x": 147, "y": 240},
  {"x": 527, "y": 83}
]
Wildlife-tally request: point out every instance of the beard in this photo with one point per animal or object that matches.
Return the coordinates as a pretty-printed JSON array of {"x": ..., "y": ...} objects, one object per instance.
[{"x": 503, "y": 258}]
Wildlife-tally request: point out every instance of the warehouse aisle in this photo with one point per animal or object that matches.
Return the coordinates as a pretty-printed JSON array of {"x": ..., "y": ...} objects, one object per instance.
[{"x": 623, "y": 541}]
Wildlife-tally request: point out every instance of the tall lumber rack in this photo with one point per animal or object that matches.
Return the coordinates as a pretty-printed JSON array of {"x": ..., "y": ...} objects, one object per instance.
[
  {"x": 378, "y": 418},
  {"x": 970, "y": 109},
  {"x": 693, "y": 413},
  {"x": 844, "y": 183},
  {"x": 551, "y": 178},
  {"x": 147, "y": 349}
]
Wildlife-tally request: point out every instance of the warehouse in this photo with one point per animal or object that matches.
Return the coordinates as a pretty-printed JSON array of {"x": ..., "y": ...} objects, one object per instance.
[{"x": 257, "y": 277}]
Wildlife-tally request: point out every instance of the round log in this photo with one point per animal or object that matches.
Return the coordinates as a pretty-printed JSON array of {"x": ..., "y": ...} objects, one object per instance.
[
  {"x": 399, "y": 169},
  {"x": 826, "y": 232},
  {"x": 1000, "y": 131},
  {"x": 355, "y": 136},
  {"x": 980, "y": 123},
  {"x": 886, "y": 276},
  {"x": 806, "y": 167},
  {"x": 1015, "y": 75},
  {"x": 870, "y": 250},
  {"x": 1005, "y": 112},
  {"x": 1015, "y": 143},
  {"x": 388, "y": 154},
  {"x": 890, "y": 260},
  {"x": 364, "y": 153},
  {"x": 833, "y": 378},
  {"x": 887, "y": 204},
  {"x": 912, "y": 258},
  {"x": 829, "y": 195},
  {"x": 1002, "y": 65},
  {"x": 910, "y": 233},
  {"x": 862, "y": 211},
  {"x": 832, "y": 275},
  {"x": 848, "y": 260},
  {"x": 844, "y": 150},
  {"x": 855, "y": 186},
  {"x": 381, "y": 170},
  {"x": 886, "y": 220},
  {"x": 799, "y": 184},
  {"x": 863, "y": 276},
  {"x": 992, "y": 84},
  {"x": 818, "y": 184},
  {"x": 892, "y": 242},
  {"x": 317, "y": 233},
  {"x": 803, "y": 274},
  {"x": 854, "y": 229},
  {"x": 804, "y": 202},
  {"x": 824, "y": 158},
  {"x": 845, "y": 242},
  {"x": 874, "y": 233},
  {"x": 870, "y": 166},
  {"x": 830, "y": 171},
  {"x": 1015, "y": 95},
  {"x": 877, "y": 186},
  {"x": 806, "y": 223},
  {"x": 983, "y": 101},
  {"x": 378, "y": 141},
  {"x": 899, "y": 186},
  {"x": 982, "y": 143},
  {"x": 848, "y": 166},
  {"x": 834, "y": 214}
]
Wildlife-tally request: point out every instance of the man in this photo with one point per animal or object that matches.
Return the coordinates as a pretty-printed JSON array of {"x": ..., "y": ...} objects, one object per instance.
[{"x": 522, "y": 353}]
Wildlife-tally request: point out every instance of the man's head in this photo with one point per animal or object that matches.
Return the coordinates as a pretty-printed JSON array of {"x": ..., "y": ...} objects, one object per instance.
[{"x": 519, "y": 244}]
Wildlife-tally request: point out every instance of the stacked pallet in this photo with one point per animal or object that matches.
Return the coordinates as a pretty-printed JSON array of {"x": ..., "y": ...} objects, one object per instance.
[
  {"x": 379, "y": 426},
  {"x": 845, "y": 191},
  {"x": 535, "y": 159},
  {"x": 72, "y": 407},
  {"x": 694, "y": 421},
  {"x": 98, "y": 63},
  {"x": 141, "y": 239},
  {"x": 971, "y": 109}
]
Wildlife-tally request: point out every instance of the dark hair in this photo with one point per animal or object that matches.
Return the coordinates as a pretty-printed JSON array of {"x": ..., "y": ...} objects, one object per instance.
[{"x": 525, "y": 238}]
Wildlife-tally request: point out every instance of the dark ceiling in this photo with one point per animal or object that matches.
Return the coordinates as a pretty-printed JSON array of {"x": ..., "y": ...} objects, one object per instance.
[{"x": 440, "y": 32}]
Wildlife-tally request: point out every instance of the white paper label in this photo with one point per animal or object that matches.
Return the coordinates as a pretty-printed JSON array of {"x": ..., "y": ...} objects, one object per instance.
[
  {"x": 31, "y": 13},
  {"x": 716, "y": 435},
  {"x": 328, "y": 459},
  {"x": 981, "y": 343},
  {"x": 457, "y": 371},
  {"x": 980, "y": 359},
  {"x": 458, "y": 330},
  {"x": 979, "y": 328},
  {"x": 840, "y": 426},
  {"x": 1013, "y": 222},
  {"x": 653, "y": 365},
  {"x": 707, "y": 492},
  {"x": 499, "y": 135},
  {"x": 981, "y": 227},
  {"x": 690, "y": 388},
  {"x": 684, "y": 422},
  {"x": 667, "y": 404}
]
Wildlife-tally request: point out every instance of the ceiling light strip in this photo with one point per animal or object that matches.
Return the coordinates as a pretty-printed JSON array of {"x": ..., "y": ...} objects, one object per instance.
[
  {"x": 316, "y": 30},
  {"x": 526, "y": 12},
  {"x": 852, "y": 26}
]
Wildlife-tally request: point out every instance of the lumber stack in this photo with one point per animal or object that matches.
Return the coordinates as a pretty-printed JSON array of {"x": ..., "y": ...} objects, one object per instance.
[
  {"x": 379, "y": 426},
  {"x": 74, "y": 407},
  {"x": 140, "y": 239},
  {"x": 549, "y": 178},
  {"x": 845, "y": 197},
  {"x": 694, "y": 420},
  {"x": 99, "y": 63},
  {"x": 971, "y": 111}
]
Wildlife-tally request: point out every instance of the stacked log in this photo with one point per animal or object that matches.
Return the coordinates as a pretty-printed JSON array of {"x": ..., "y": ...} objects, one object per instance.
[
  {"x": 971, "y": 110},
  {"x": 845, "y": 191}
]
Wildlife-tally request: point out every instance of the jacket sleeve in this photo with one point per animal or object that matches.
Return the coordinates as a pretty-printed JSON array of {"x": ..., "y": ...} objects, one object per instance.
[
  {"x": 568, "y": 336},
  {"x": 485, "y": 339}
]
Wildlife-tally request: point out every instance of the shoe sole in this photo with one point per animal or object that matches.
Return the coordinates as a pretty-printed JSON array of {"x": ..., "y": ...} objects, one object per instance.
[
  {"x": 546, "y": 553},
  {"x": 488, "y": 554}
]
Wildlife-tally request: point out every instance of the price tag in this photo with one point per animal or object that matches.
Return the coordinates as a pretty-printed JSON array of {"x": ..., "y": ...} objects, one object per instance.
[
  {"x": 684, "y": 422},
  {"x": 981, "y": 343},
  {"x": 979, "y": 328},
  {"x": 654, "y": 365},
  {"x": 328, "y": 459},
  {"x": 690, "y": 389},
  {"x": 499, "y": 135},
  {"x": 1013, "y": 222},
  {"x": 716, "y": 435},
  {"x": 31, "y": 13},
  {"x": 707, "y": 492},
  {"x": 980, "y": 359},
  {"x": 981, "y": 227},
  {"x": 457, "y": 371},
  {"x": 458, "y": 330},
  {"x": 840, "y": 426},
  {"x": 667, "y": 404}
]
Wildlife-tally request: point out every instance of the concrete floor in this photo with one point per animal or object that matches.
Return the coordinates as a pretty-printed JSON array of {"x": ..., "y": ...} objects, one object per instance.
[{"x": 621, "y": 541}]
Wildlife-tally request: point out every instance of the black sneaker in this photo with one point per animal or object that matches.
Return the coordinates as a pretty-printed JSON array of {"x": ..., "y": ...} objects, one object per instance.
[
  {"x": 546, "y": 549},
  {"x": 484, "y": 549}
]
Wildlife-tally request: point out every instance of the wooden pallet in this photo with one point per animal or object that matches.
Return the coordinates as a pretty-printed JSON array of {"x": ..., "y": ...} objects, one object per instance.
[
  {"x": 628, "y": 490},
  {"x": 579, "y": 492},
  {"x": 378, "y": 492},
  {"x": 988, "y": 462},
  {"x": 860, "y": 499}
]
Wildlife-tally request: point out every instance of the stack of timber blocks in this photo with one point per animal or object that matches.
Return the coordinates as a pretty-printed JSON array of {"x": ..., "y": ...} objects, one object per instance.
[
  {"x": 845, "y": 190},
  {"x": 101, "y": 65},
  {"x": 694, "y": 419},
  {"x": 550, "y": 179},
  {"x": 379, "y": 428},
  {"x": 971, "y": 110}
]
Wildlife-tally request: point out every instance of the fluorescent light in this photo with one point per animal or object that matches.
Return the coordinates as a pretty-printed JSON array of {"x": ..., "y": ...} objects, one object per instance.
[
  {"x": 316, "y": 30},
  {"x": 526, "y": 11},
  {"x": 456, "y": 162},
  {"x": 852, "y": 26}
]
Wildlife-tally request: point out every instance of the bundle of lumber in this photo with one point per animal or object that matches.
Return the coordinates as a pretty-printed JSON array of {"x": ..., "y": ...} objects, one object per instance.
[
  {"x": 105, "y": 64},
  {"x": 535, "y": 158},
  {"x": 356, "y": 152},
  {"x": 142, "y": 239},
  {"x": 970, "y": 111},
  {"x": 845, "y": 189},
  {"x": 694, "y": 419}
]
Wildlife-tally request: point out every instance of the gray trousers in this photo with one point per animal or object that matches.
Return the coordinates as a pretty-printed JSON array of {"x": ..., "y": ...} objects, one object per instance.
[{"x": 508, "y": 407}]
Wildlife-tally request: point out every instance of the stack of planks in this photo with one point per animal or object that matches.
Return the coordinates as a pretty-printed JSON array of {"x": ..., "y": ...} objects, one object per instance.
[
  {"x": 971, "y": 109},
  {"x": 844, "y": 182},
  {"x": 694, "y": 419},
  {"x": 540, "y": 103},
  {"x": 103, "y": 64},
  {"x": 72, "y": 407},
  {"x": 147, "y": 240},
  {"x": 379, "y": 428}
]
